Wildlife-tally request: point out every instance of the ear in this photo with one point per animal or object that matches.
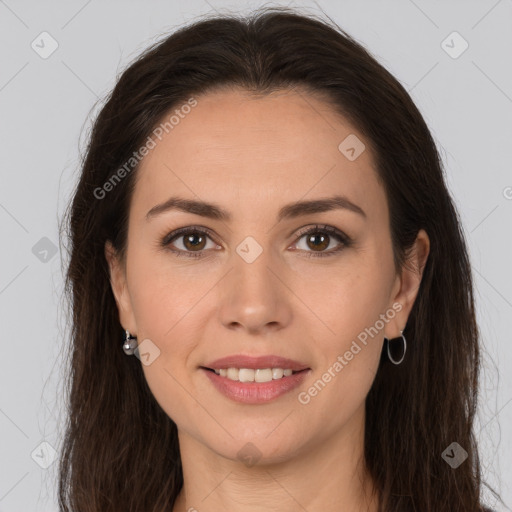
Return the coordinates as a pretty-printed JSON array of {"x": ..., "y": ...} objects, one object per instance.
[
  {"x": 408, "y": 283},
  {"x": 118, "y": 283}
]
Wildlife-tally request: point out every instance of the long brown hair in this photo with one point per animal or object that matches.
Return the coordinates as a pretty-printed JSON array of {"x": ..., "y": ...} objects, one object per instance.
[{"x": 121, "y": 450}]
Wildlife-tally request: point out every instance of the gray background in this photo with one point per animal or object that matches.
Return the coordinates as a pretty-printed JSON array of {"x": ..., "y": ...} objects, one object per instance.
[{"x": 46, "y": 106}]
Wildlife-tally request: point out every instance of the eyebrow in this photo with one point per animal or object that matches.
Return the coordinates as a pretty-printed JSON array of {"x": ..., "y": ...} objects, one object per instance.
[{"x": 289, "y": 211}]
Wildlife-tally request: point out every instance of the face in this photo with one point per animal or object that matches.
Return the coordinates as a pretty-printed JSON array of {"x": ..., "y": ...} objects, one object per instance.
[{"x": 314, "y": 285}]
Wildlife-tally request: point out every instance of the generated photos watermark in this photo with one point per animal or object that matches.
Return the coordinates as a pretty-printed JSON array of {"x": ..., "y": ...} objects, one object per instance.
[
  {"x": 165, "y": 127},
  {"x": 304, "y": 397}
]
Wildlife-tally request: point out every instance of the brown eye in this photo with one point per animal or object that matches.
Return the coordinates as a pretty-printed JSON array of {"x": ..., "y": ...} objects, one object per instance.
[
  {"x": 191, "y": 241},
  {"x": 188, "y": 241},
  {"x": 319, "y": 238},
  {"x": 194, "y": 241},
  {"x": 318, "y": 241}
]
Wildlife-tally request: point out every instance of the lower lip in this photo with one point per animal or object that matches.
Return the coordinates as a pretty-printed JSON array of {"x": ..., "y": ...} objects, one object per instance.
[{"x": 255, "y": 392}]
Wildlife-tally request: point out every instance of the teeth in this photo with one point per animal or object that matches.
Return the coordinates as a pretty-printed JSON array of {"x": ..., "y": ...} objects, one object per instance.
[
  {"x": 251, "y": 375},
  {"x": 277, "y": 373}
]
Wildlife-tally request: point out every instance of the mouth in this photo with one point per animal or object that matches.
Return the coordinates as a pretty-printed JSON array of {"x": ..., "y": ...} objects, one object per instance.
[{"x": 254, "y": 385}]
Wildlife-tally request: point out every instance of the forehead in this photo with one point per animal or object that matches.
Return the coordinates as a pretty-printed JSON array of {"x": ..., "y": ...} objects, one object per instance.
[{"x": 247, "y": 152}]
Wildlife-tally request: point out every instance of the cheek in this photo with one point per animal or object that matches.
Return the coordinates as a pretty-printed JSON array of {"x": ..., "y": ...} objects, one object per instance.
[
  {"x": 163, "y": 292},
  {"x": 166, "y": 306},
  {"x": 348, "y": 329},
  {"x": 343, "y": 300},
  {"x": 172, "y": 305},
  {"x": 348, "y": 358}
]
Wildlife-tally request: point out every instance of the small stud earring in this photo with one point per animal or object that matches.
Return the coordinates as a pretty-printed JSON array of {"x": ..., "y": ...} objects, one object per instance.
[{"x": 130, "y": 343}]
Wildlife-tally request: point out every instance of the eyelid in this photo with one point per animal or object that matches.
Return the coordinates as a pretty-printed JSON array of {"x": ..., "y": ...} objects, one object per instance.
[
  {"x": 344, "y": 239},
  {"x": 321, "y": 227},
  {"x": 186, "y": 229}
]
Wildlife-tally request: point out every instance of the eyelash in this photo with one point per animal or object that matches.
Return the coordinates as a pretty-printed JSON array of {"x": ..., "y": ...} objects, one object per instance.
[{"x": 340, "y": 236}]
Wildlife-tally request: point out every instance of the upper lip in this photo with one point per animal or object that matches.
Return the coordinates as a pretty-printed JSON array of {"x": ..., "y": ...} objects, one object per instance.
[{"x": 268, "y": 361}]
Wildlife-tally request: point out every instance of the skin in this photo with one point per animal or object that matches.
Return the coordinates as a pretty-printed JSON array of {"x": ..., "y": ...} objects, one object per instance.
[{"x": 252, "y": 155}]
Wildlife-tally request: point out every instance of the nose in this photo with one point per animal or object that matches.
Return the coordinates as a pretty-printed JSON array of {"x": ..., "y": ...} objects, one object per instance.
[{"x": 255, "y": 297}]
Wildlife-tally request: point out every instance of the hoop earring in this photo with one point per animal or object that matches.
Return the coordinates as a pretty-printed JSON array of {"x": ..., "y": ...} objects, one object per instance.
[
  {"x": 130, "y": 343},
  {"x": 404, "y": 343}
]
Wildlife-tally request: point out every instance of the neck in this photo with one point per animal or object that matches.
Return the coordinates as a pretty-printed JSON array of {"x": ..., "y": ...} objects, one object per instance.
[{"x": 327, "y": 475}]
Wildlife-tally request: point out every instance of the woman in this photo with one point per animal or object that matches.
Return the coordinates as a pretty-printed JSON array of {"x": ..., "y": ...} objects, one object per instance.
[{"x": 262, "y": 220}]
